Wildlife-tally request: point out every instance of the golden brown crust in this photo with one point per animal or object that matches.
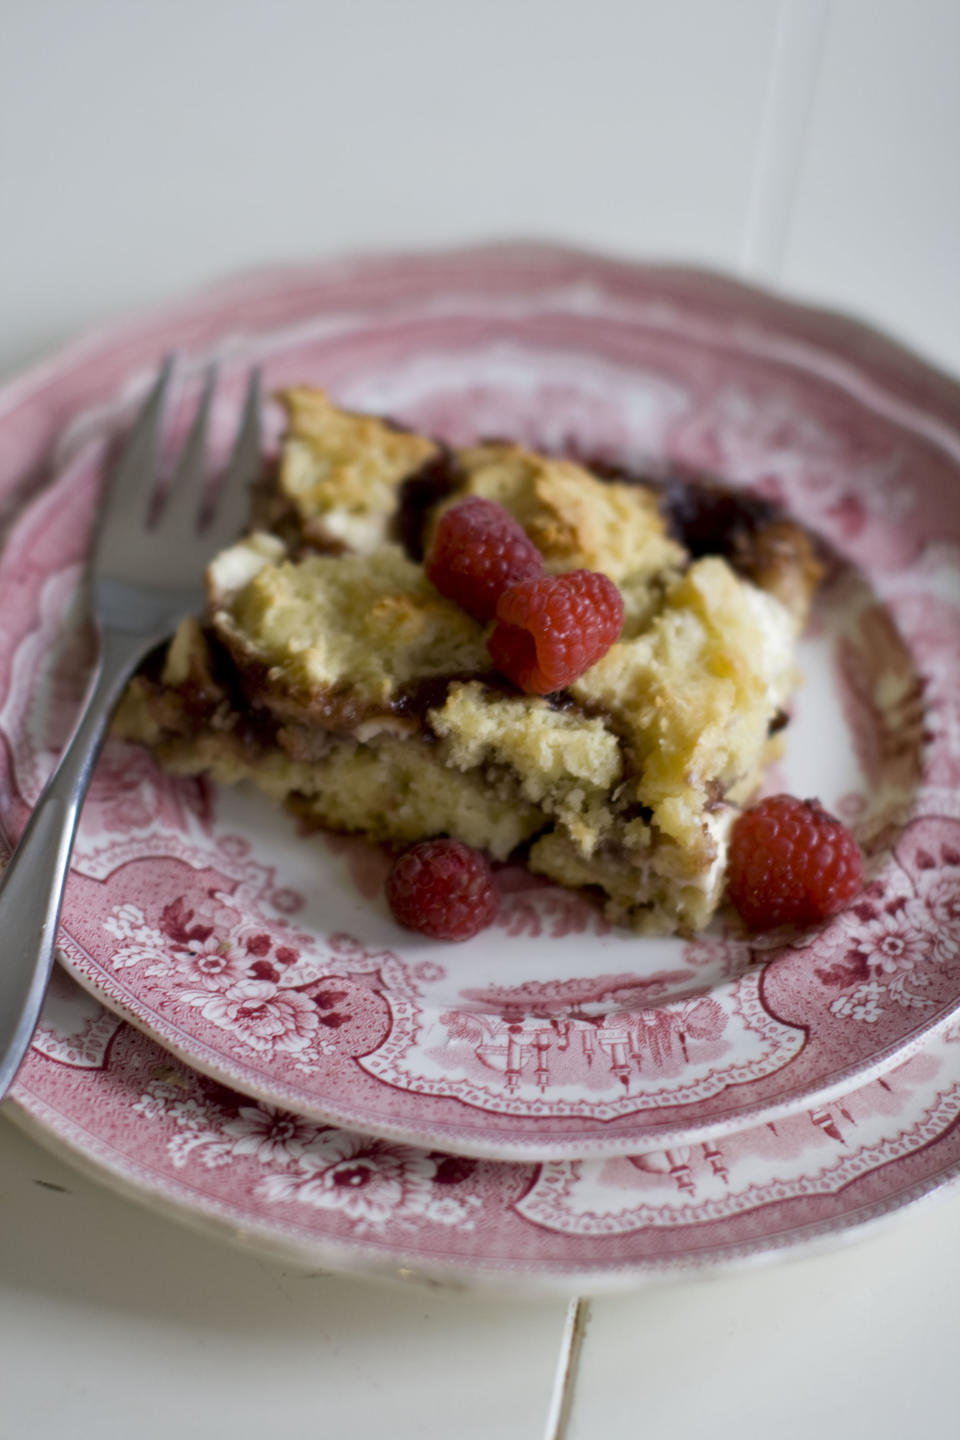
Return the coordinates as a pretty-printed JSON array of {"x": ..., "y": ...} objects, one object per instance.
[
  {"x": 694, "y": 695},
  {"x": 340, "y": 471},
  {"x": 576, "y": 520},
  {"x": 779, "y": 558},
  {"x": 336, "y": 639}
]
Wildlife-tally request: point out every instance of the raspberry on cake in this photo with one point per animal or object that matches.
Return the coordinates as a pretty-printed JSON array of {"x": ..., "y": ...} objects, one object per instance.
[
  {"x": 478, "y": 551},
  {"x": 791, "y": 863},
  {"x": 443, "y": 889},
  {"x": 550, "y": 630},
  {"x": 331, "y": 671}
]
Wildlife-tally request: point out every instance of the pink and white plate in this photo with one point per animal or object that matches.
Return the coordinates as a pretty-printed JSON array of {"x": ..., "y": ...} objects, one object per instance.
[
  {"x": 310, "y": 1194},
  {"x": 268, "y": 961}
]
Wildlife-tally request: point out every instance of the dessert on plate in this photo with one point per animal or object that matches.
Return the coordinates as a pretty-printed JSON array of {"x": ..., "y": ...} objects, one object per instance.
[{"x": 335, "y": 674}]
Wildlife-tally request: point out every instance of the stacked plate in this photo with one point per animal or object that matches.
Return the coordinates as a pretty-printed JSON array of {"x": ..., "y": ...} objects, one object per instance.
[{"x": 556, "y": 1105}]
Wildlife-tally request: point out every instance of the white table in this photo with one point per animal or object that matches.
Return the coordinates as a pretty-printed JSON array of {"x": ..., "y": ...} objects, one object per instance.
[
  {"x": 115, "y": 1323},
  {"x": 145, "y": 147}
]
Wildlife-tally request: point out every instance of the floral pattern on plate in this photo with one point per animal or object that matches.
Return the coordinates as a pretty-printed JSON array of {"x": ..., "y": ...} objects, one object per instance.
[
  {"x": 269, "y": 961},
  {"x": 319, "y": 1196}
]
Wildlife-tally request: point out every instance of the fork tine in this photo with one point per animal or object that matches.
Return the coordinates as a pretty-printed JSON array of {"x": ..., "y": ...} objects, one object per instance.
[
  {"x": 232, "y": 504},
  {"x": 129, "y": 489},
  {"x": 182, "y": 502}
]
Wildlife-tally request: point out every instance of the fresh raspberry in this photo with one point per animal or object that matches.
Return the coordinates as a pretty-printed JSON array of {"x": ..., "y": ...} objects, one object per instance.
[
  {"x": 444, "y": 889},
  {"x": 478, "y": 551},
  {"x": 791, "y": 863},
  {"x": 552, "y": 629}
]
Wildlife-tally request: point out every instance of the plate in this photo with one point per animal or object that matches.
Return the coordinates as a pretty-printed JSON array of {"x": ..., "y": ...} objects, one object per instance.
[
  {"x": 313, "y": 1195},
  {"x": 269, "y": 961}
]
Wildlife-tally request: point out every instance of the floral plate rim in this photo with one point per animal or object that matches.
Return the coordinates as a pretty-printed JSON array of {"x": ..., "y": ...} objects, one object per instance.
[
  {"x": 69, "y": 1101},
  {"x": 517, "y": 1281}
]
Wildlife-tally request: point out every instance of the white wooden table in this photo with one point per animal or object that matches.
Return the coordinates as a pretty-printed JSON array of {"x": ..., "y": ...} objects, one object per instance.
[{"x": 145, "y": 147}]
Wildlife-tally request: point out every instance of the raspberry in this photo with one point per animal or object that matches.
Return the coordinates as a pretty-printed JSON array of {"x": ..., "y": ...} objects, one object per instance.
[
  {"x": 478, "y": 551},
  {"x": 791, "y": 863},
  {"x": 552, "y": 629},
  {"x": 444, "y": 889}
]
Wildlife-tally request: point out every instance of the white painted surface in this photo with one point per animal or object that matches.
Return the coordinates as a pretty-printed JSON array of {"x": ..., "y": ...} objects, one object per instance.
[
  {"x": 148, "y": 146},
  {"x": 876, "y": 212},
  {"x": 790, "y": 92},
  {"x": 117, "y": 1324},
  {"x": 858, "y": 1343}
]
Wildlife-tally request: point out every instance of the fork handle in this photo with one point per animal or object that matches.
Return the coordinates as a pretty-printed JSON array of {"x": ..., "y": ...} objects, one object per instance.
[{"x": 31, "y": 890}]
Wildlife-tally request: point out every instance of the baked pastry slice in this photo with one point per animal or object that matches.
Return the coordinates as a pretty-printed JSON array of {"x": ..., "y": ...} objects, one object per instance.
[{"x": 331, "y": 673}]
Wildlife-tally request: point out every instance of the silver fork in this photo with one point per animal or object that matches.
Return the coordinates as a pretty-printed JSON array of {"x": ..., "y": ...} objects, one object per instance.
[{"x": 144, "y": 581}]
